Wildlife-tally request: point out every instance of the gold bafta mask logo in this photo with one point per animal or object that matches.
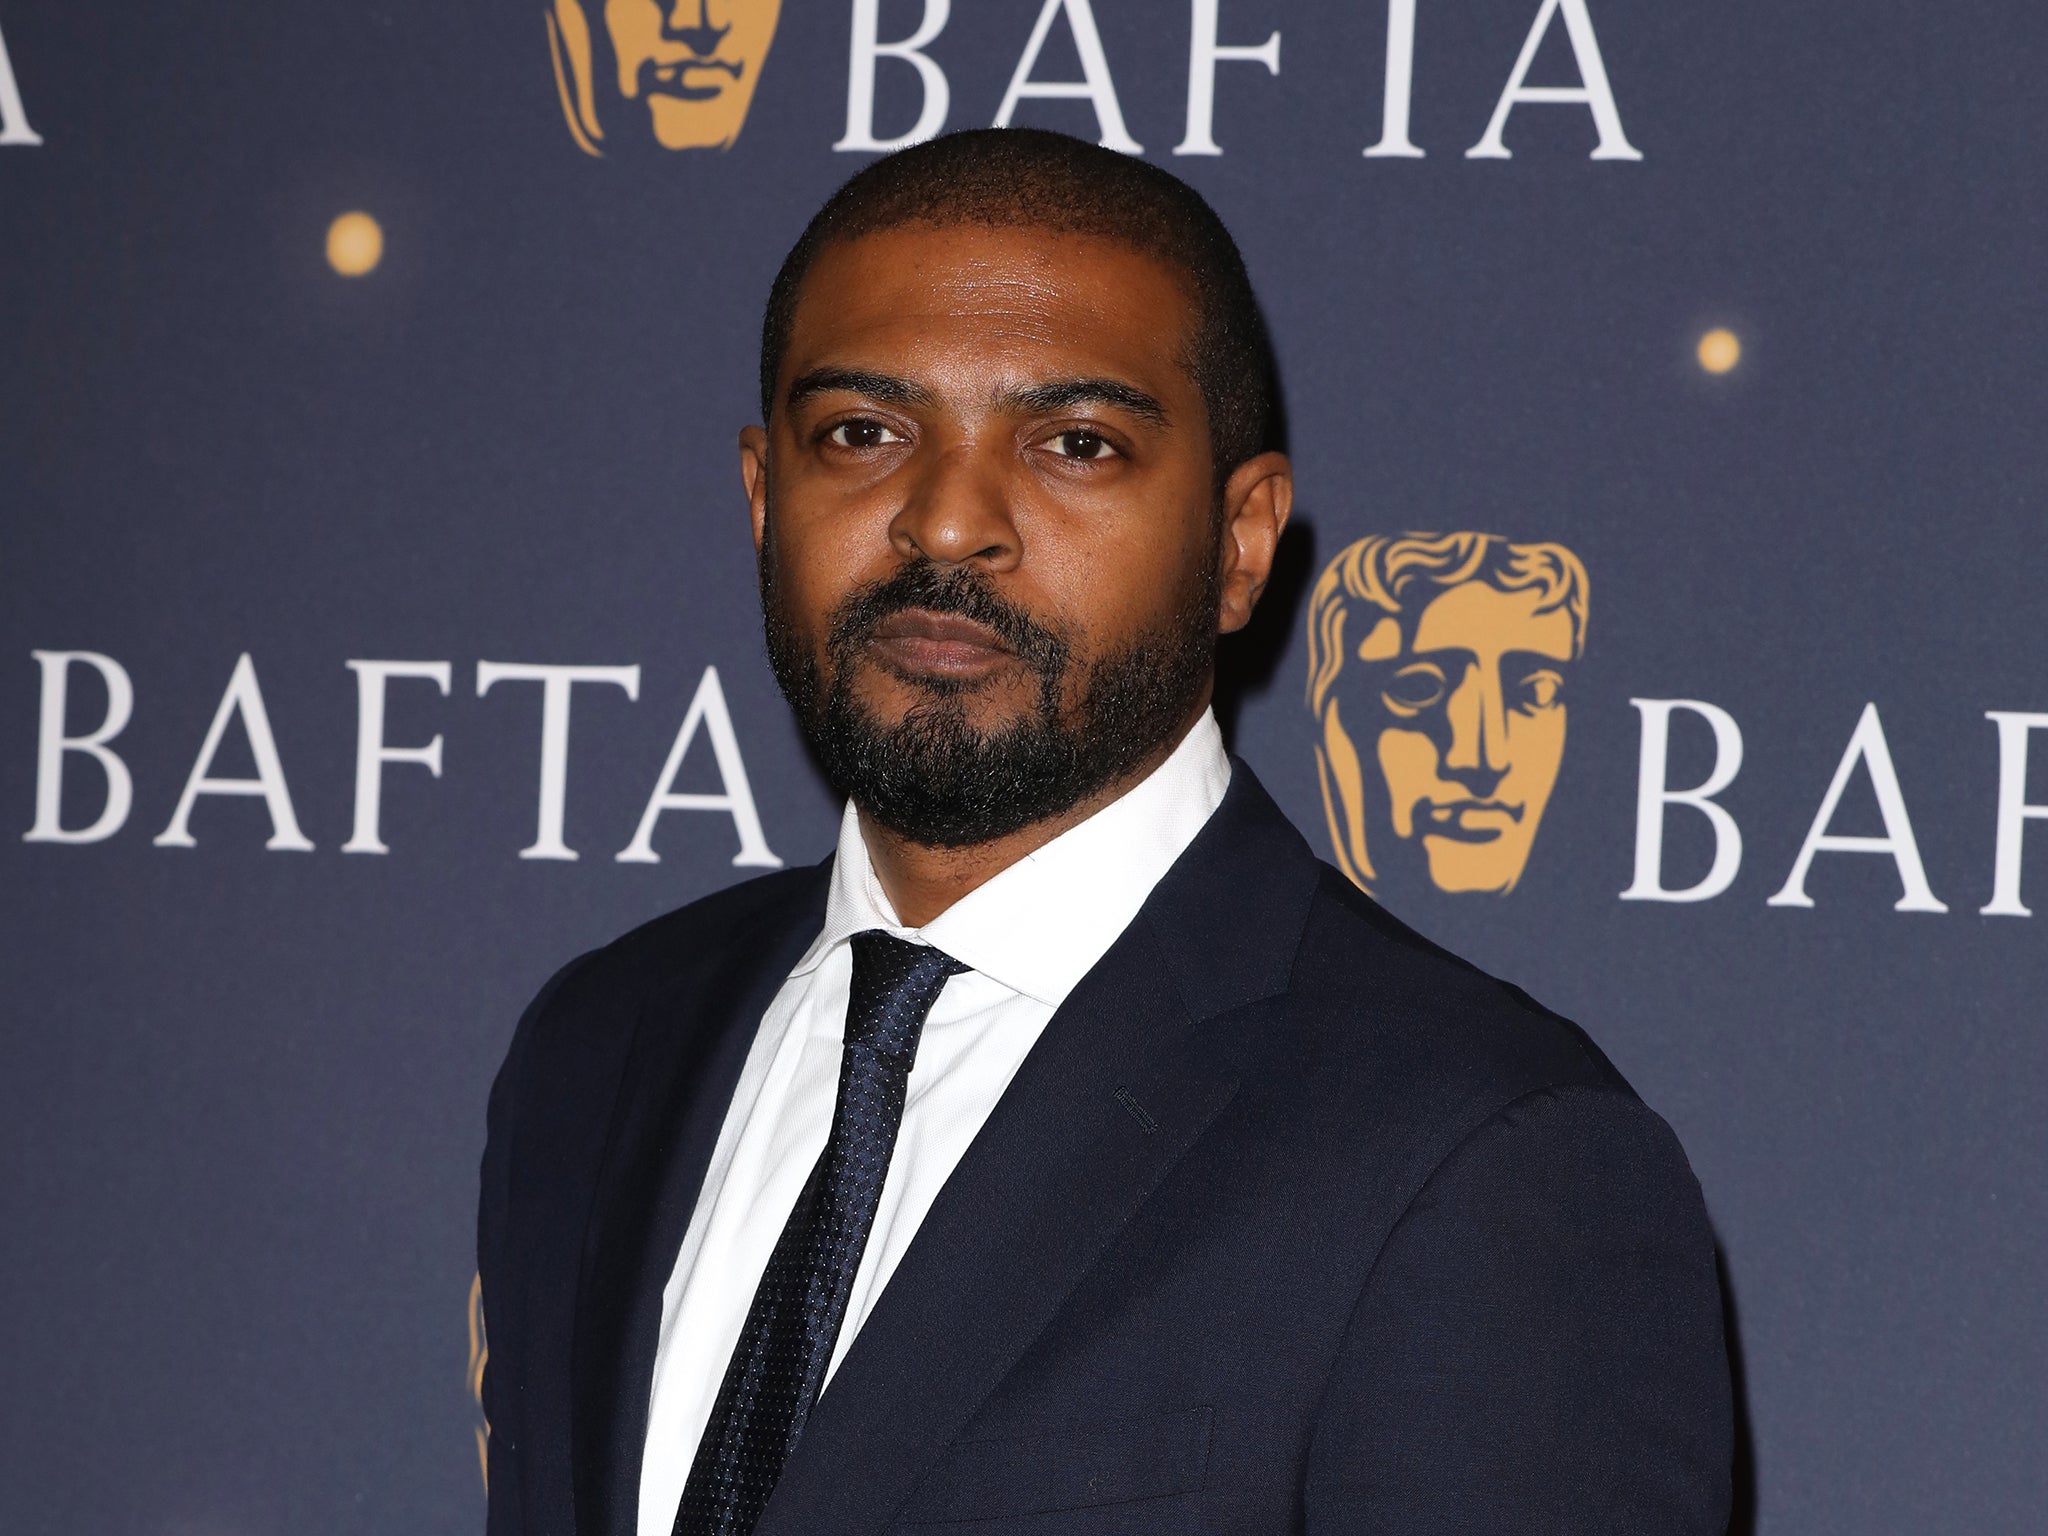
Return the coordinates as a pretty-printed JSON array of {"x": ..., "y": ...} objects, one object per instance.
[
  {"x": 682, "y": 71},
  {"x": 479, "y": 1358},
  {"x": 1437, "y": 666}
]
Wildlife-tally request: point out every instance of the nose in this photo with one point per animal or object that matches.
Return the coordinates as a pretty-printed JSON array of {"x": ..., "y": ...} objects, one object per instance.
[
  {"x": 957, "y": 511},
  {"x": 689, "y": 23},
  {"x": 1477, "y": 714}
]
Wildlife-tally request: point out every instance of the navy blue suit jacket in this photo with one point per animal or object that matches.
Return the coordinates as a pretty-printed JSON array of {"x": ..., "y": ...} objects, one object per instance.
[{"x": 1289, "y": 1222}]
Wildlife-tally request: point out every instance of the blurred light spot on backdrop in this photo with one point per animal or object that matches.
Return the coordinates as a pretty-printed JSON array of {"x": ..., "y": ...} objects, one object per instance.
[
  {"x": 1719, "y": 351},
  {"x": 355, "y": 244}
]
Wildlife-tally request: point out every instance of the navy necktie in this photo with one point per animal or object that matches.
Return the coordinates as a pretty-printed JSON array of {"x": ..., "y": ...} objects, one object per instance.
[{"x": 779, "y": 1363}]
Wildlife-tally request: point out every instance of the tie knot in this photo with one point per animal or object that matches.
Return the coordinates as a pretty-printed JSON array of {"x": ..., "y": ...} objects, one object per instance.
[{"x": 895, "y": 983}]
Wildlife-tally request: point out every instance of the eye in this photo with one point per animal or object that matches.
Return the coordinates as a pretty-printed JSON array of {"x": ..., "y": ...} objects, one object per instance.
[
  {"x": 1539, "y": 690},
  {"x": 1414, "y": 689},
  {"x": 862, "y": 432},
  {"x": 1081, "y": 443}
]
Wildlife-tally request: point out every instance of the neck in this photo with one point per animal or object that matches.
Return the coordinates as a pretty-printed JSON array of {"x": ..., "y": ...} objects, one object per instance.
[{"x": 922, "y": 881}]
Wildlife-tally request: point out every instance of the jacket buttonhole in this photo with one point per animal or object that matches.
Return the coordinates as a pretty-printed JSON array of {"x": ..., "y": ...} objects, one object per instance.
[{"x": 1137, "y": 1111}]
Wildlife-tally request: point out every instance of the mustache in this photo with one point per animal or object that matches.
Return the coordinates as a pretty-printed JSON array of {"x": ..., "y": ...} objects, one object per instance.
[{"x": 958, "y": 590}]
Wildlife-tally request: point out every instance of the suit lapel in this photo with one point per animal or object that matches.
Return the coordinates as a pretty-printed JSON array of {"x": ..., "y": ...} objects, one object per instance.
[
  {"x": 689, "y": 1046},
  {"x": 1061, "y": 1166}
]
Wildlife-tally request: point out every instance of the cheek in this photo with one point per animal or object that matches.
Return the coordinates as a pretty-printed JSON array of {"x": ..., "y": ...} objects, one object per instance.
[
  {"x": 820, "y": 550},
  {"x": 803, "y": 587},
  {"x": 753, "y": 28},
  {"x": 1536, "y": 744},
  {"x": 1409, "y": 761},
  {"x": 1110, "y": 578},
  {"x": 633, "y": 25}
]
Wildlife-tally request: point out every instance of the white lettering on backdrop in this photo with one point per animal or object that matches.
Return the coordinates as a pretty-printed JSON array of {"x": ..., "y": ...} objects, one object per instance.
[
  {"x": 52, "y": 745},
  {"x": 243, "y": 700},
  {"x": 736, "y": 796},
  {"x": 2014, "y": 811},
  {"x": 555, "y": 683},
  {"x": 1095, "y": 85},
  {"x": 866, "y": 51},
  {"x": 1592, "y": 91},
  {"x": 62, "y": 741},
  {"x": 1866, "y": 746},
  {"x": 1204, "y": 54},
  {"x": 1654, "y": 795},
  {"x": 865, "y": 56},
  {"x": 372, "y": 753},
  {"x": 14, "y": 128},
  {"x": 59, "y": 741}
]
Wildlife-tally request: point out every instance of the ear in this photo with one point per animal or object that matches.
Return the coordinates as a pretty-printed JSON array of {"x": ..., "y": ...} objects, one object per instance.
[
  {"x": 1256, "y": 500},
  {"x": 754, "y": 475}
]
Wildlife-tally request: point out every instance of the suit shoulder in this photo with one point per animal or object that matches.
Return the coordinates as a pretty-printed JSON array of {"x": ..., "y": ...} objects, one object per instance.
[
  {"x": 608, "y": 982},
  {"x": 1372, "y": 992},
  {"x": 709, "y": 925},
  {"x": 574, "y": 1037}
]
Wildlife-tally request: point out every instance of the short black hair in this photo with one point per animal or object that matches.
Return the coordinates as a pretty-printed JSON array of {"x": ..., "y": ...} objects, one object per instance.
[{"x": 1031, "y": 178}]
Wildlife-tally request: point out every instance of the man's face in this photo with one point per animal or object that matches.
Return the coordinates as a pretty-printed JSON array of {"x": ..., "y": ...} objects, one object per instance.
[
  {"x": 1467, "y": 725},
  {"x": 694, "y": 61},
  {"x": 990, "y": 542}
]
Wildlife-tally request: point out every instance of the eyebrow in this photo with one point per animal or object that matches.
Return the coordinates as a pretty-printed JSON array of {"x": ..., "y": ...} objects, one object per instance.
[
  {"x": 1033, "y": 399},
  {"x": 1065, "y": 394},
  {"x": 884, "y": 388}
]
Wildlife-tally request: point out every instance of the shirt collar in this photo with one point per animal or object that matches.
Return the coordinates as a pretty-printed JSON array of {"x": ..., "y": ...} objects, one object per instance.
[{"x": 1040, "y": 925}]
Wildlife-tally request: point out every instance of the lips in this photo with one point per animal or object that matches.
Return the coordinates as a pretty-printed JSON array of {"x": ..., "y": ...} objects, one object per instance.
[
  {"x": 673, "y": 72},
  {"x": 1472, "y": 821},
  {"x": 917, "y": 642},
  {"x": 691, "y": 79}
]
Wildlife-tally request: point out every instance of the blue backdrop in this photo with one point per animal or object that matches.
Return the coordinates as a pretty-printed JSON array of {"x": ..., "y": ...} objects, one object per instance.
[{"x": 259, "y": 971}]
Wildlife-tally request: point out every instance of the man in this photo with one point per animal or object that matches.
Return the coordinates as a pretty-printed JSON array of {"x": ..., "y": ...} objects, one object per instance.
[
  {"x": 1073, "y": 1152},
  {"x": 1442, "y": 656},
  {"x": 693, "y": 64}
]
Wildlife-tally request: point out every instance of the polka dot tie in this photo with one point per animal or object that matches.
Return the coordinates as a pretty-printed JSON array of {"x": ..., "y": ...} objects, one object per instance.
[{"x": 779, "y": 1364}]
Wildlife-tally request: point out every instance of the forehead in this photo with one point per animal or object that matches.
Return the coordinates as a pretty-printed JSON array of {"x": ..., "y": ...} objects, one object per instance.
[
  {"x": 1486, "y": 621},
  {"x": 971, "y": 306}
]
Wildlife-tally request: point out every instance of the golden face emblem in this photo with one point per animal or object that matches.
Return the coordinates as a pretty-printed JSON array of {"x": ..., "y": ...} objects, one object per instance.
[
  {"x": 479, "y": 1358},
  {"x": 682, "y": 71},
  {"x": 1437, "y": 673}
]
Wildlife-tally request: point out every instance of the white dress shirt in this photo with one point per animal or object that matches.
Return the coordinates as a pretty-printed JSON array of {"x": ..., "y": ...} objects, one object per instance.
[{"x": 1030, "y": 934}]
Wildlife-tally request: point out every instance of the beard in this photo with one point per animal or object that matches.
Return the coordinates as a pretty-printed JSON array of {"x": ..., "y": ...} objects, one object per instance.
[{"x": 935, "y": 778}]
